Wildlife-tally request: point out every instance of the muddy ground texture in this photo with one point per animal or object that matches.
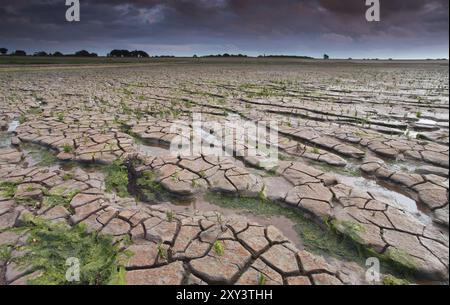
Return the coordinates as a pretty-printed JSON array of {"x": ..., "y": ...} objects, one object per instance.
[{"x": 364, "y": 157}]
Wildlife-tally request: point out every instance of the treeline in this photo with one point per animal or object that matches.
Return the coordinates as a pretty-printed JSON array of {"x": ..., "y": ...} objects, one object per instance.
[
  {"x": 126, "y": 53},
  {"x": 82, "y": 53},
  {"x": 223, "y": 55},
  {"x": 121, "y": 53},
  {"x": 285, "y": 56}
]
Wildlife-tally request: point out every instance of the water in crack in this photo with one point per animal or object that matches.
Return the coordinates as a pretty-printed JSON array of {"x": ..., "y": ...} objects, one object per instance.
[
  {"x": 382, "y": 191},
  {"x": 5, "y": 137},
  {"x": 384, "y": 194},
  {"x": 13, "y": 126}
]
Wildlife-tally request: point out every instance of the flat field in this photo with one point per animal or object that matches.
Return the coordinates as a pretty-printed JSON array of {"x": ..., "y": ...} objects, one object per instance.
[{"x": 361, "y": 171}]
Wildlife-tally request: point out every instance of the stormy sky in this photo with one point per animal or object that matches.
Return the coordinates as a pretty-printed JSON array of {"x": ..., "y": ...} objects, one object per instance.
[{"x": 408, "y": 29}]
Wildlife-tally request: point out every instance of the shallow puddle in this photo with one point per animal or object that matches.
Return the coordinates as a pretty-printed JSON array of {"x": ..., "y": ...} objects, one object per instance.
[
  {"x": 385, "y": 194},
  {"x": 13, "y": 126},
  {"x": 5, "y": 137},
  {"x": 377, "y": 190}
]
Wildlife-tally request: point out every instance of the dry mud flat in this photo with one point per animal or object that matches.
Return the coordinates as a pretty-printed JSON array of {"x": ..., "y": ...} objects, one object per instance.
[{"x": 363, "y": 160}]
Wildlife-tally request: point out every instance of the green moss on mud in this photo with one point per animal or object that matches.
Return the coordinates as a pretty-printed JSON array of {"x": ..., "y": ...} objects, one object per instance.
[
  {"x": 315, "y": 238},
  {"x": 348, "y": 228},
  {"x": 149, "y": 189},
  {"x": 49, "y": 245},
  {"x": 401, "y": 259},
  {"x": 8, "y": 189},
  {"x": 116, "y": 179},
  {"x": 58, "y": 197},
  {"x": 340, "y": 239}
]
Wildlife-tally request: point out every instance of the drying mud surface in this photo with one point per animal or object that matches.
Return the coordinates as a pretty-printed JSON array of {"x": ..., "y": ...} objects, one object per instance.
[{"x": 362, "y": 171}]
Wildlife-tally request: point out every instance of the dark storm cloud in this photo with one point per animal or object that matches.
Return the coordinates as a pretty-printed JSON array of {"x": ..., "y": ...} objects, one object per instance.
[{"x": 407, "y": 29}]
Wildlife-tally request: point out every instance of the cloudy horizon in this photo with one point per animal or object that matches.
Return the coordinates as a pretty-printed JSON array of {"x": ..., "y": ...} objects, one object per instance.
[{"x": 408, "y": 29}]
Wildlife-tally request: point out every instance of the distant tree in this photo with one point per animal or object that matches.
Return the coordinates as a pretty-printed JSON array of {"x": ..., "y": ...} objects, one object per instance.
[
  {"x": 41, "y": 53},
  {"x": 58, "y": 54},
  {"x": 84, "y": 53},
  {"x": 119, "y": 53},
  {"x": 20, "y": 53},
  {"x": 113, "y": 53},
  {"x": 125, "y": 53},
  {"x": 139, "y": 54},
  {"x": 326, "y": 57},
  {"x": 3, "y": 51},
  {"x": 195, "y": 56},
  {"x": 226, "y": 55}
]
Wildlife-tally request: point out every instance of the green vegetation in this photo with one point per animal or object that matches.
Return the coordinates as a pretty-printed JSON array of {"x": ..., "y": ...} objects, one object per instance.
[
  {"x": 348, "y": 228},
  {"x": 261, "y": 279},
  {"x": 67, "y": 148},
  {"x": 49, "y": 245},
  {"x": 262, "y": 193},
  {"x": 323, "y": 240},
  {"x": 315, "y": 238},
  {"x": 315, "y": 150},
  {"x": 60, "y": 117},
  {"x": 58, "y": 197},
  {"x": 68, "y": 176},
  {"x": 127, "y": 92},
  {"x": 22, "y": 119},
  {"x": 116, "y": 179},
  {"x": 8, "y": 189},
  {"x": 42, "y": 156},
  {"x": 350, "y": 172},
  {"x": 219, "y": 248},
  {"x": 162, "y": 251},
  {"x": 35, "y": 110},
  {"x": 401, "y": 259},
  {"x": 148, "y": 188},
  {"x": 361, "y": 134},
  {"x": 169, "y": 216},
  {"x": 265, "y": 92},
  {"x": 5, "y": 253}
]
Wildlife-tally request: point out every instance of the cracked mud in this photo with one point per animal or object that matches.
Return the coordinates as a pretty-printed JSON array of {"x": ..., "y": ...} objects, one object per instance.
[{"x": 363, "y": 155}]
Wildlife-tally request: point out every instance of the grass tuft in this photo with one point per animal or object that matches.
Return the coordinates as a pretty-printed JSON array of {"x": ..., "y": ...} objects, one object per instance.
[{"x": 219, "y": 248}]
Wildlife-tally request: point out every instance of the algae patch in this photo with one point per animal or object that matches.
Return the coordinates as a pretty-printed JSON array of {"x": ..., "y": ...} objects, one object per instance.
[
  {"x": 315, "y": 238},
  {"x": 50, "y": 245},
  {"x": 116, "y": 179}
]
